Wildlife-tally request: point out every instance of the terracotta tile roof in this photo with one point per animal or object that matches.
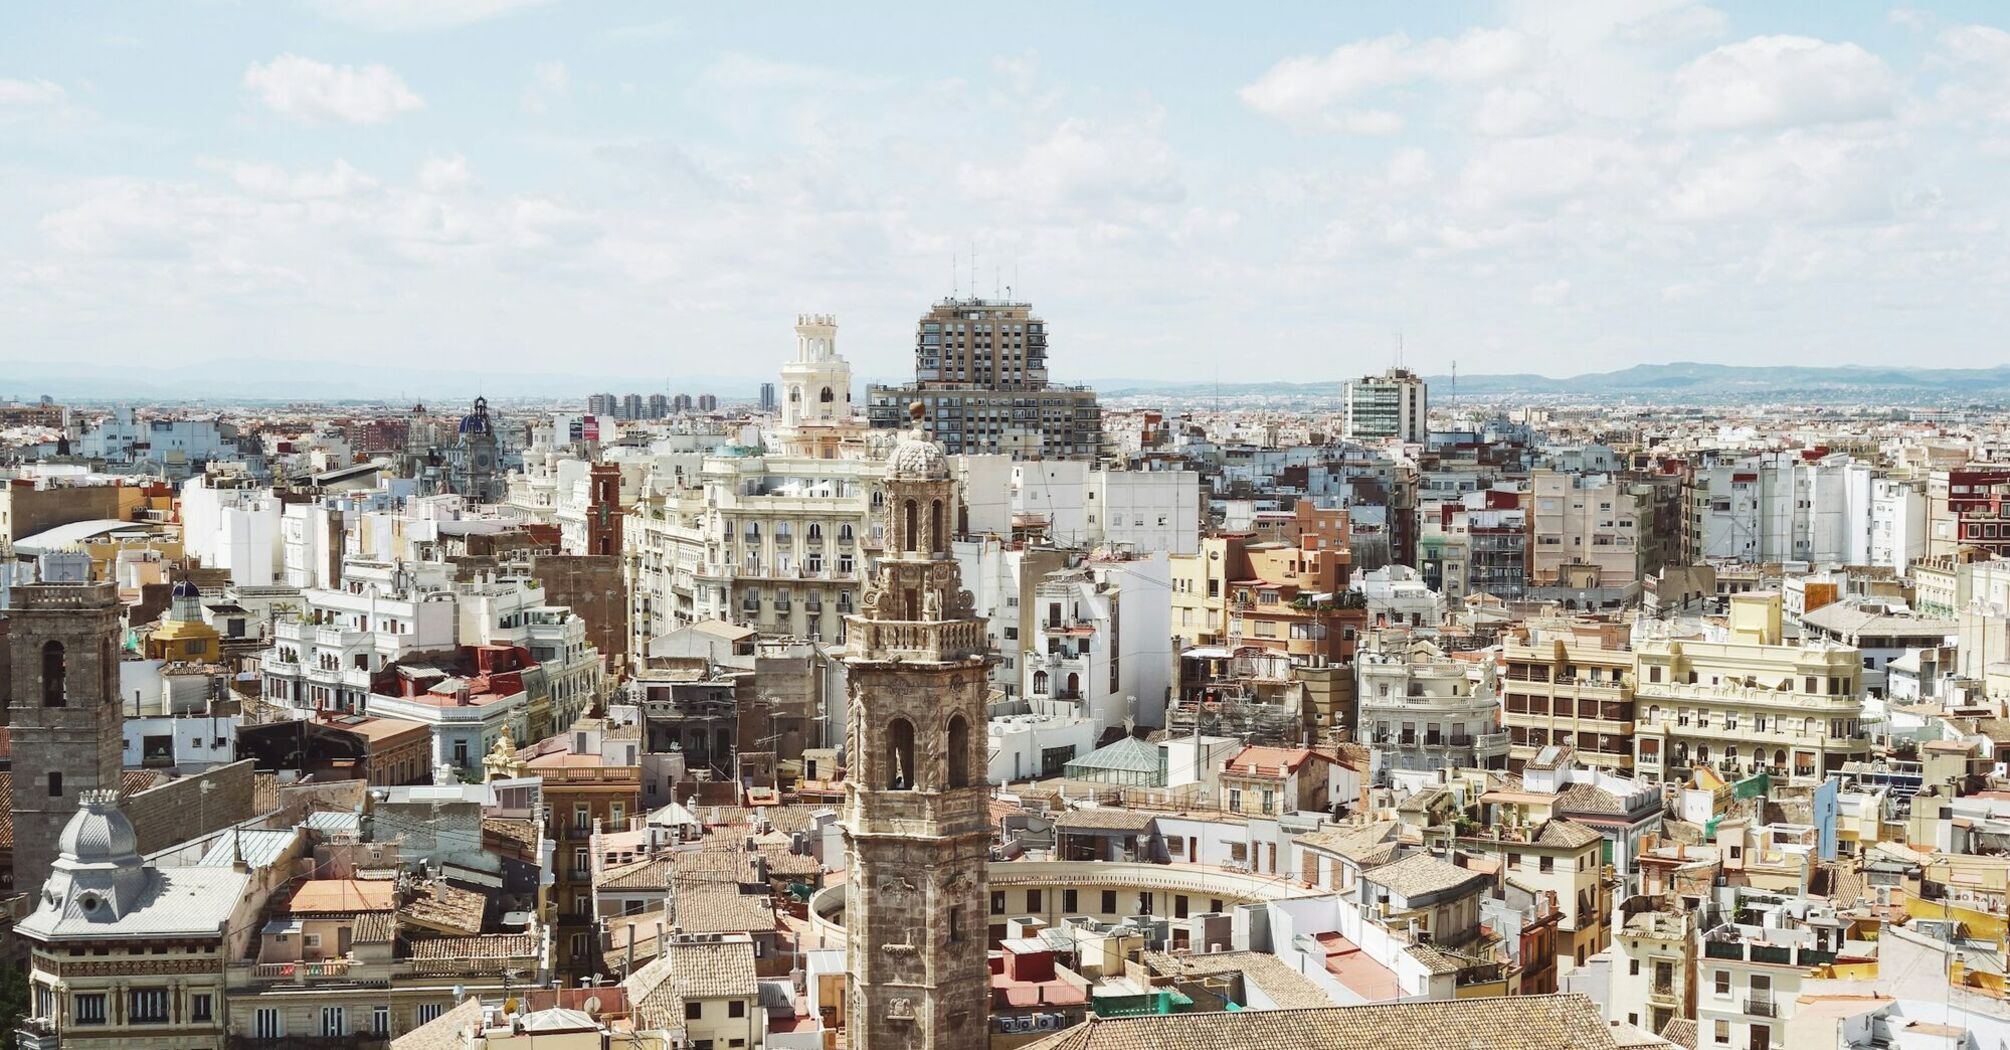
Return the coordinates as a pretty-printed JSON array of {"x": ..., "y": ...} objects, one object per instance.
[
  {"x": 1104, "y": 818},
  {"x": 783, "y": 864},
  {"x": 1366, "y": 845},
  {"x": 522, "y": 832},
  {"x": 445, "y": 908},
  {"x": 1286, "y": 987},
  {"x": 651, "y": 873},
  {"x": 343, "y": 897},
  {"x": 443, "y": 1032},
  {"x": 685, "y": 970},
  {"x": 373, "y": 927},
  {"x": 1527, "y": 1022},
  {"x": 1420, "y": 875},
  {"x": 444, "y": 955},
  {"x": 1565, "y": 833},
  {"x": 1585, "y": 798},
  {"x": 706, "y": 908},
  {"x": 134, "y": 781},
  {"x": 1681, "y": 1031}
]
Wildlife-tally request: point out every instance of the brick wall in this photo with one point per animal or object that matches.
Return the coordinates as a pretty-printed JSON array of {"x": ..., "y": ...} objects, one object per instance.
[{"x": 180, "y": 810}]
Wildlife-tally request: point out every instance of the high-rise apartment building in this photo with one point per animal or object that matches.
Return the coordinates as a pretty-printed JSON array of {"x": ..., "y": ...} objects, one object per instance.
[
  {"x": 980, "y": 374},
  {"x": 708, "y": 402},
  {"x": 1395, "y": 404},
  {"x": 601, "y": 404},
  {"x": 659, "y": 406},
  {"x": 631, "y": 406},
  {"x": 767, "y": 397}
]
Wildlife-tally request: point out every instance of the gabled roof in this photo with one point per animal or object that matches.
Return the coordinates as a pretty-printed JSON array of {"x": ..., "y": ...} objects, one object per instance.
[
  {"x": 1526, "y": 1022},
  {"x": 1125, "y": 755}
]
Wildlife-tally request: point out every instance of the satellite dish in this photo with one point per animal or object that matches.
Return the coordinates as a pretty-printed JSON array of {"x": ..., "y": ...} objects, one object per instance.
[
  {"x": 591, "y": 1005},
  {"x": 510, "y": 1005}
]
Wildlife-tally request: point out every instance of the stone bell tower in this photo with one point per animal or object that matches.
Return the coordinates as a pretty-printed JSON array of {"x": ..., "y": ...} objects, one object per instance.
[{"x": 916, "y": 797}]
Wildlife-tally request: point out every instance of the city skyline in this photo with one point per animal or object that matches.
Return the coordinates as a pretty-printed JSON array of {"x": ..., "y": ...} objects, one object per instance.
[{"x": 1518, "y": 188}]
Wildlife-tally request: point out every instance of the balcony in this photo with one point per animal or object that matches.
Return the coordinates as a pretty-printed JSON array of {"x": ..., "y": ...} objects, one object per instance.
[
  {"x": 302, "y": 972},
  {"x": 1662, "y": 990},
  {"x": 1761, "y": 1006}
]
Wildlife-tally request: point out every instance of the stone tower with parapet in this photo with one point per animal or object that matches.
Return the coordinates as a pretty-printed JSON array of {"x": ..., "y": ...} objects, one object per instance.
[
  {"x": 64, "y": 717},
  {"x": 916, "y": 799}
]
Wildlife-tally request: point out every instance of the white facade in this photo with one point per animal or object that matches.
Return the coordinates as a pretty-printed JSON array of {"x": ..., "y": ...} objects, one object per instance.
[
  {"x": 1102, "y": 644},
  {"x": 1397, "y": 595},
  {"x": 232, "y": 528},
  {"x": 1897, "y": 522},
  {"x": 1782, "y": 508},
  {"x": 323, "y": 659},
  {"x": 816, "y": 386},
  {"x": 1029, "y": 747},
  {"x": 514, "y": 612}
]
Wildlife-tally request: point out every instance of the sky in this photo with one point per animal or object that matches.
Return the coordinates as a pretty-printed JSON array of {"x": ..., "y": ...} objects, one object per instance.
[{"x": 1276, "y": 191}]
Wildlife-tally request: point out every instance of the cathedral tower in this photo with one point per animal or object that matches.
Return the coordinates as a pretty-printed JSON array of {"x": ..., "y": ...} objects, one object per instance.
[
  {"x": 63, "y": 713},
  {"x": 916, "y": 797}
]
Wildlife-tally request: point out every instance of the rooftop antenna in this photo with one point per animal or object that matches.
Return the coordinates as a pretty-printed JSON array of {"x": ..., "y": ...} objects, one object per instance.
[
  {"x": 973, "y": 267},
  {"x": 1455, "y": 380},
  {"x": 1399, "y": 349}
]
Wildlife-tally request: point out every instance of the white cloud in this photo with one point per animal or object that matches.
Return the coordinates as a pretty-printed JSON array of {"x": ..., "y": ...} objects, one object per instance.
[
  {"x": 1306, "y": 87},
  {"x": 316, "y": 92},
  {"x": 647, "y": 32},
  {"x": 1081, "y": 167},
  {"x": 1801, "y": 175},
  {"x": 414, "y": 16},
  {"x": 273, "y": 181},
  {"x": 26, "y": 93},
  {"x": 1782, "y": 81},
  {"x": 1549, "y": 293},
  {"x": 441, "y": 174},
  {"x": 549, "y": 82}
]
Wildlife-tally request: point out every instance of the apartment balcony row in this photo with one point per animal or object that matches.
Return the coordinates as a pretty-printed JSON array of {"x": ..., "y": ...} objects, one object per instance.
[
  {"x": 1483, "y": 742},
  {"x": 1772, "y": 736},
  {"x": 1663, "y": 692}
]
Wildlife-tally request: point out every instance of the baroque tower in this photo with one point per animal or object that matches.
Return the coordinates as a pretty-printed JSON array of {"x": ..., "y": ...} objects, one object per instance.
[
  {"x": 816, "y": 392},
  {"x": 63, "y": 712},
  {"x": 916, "y": 796}
]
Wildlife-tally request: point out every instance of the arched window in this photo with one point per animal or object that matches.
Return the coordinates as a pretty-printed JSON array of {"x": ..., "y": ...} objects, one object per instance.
[
  {"x": 1040, "y": 682},
  {"x": 827, "y": 397},
  {"x": 935, "y": 537},
  {"x": 1653, "y": 714},
  {"x": 55, "y": 672},
  {"x": 795, "y": 394},
  {"x": 1074, "y": 685},
  {"x": 907, "y": 539},
  {"x": 959, "y": 752},
  {"x": 900, "y": 755},
  {"x": 1780, "y": 758}
]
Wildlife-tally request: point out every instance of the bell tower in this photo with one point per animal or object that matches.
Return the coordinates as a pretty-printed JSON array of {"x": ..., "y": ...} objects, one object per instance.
[
  {"x": 63, "y": 711},
  {"x": 916, "y": 797}
]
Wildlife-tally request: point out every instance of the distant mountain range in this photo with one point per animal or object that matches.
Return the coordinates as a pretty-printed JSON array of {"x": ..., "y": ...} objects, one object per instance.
[
  {"x": 275, "y": 381},
  {"x": 1686, "y": 381}
]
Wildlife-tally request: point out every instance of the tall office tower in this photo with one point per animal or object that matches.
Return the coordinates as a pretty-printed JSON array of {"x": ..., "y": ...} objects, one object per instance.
[
  {"x": 1395, "y": 404},
  {"x": 631, "y": 406},
  {"x": 680, "y": 404},
  {"x": 767, "y": 397},
  {"x": 980, "y": 374},
  {"x": 708, "y": 402},
  {"x": 659, "y": 406},
  {"x": 915, "y": 818},
  {"x": 600, "y": 405},
  {"x": 65, "y": 719}
]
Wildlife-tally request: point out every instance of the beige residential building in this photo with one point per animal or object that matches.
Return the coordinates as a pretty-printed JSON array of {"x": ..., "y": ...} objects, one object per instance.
[
  {"x": 1572, "y": 691},
  {"x": 1653, "y": 969},
  {"x": 1748, "y": 703},
  {"x": 1585, "y": 532}
]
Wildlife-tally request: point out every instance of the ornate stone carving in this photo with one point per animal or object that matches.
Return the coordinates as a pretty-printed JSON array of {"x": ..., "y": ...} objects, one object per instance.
[{"x": 900, "y": 1009}]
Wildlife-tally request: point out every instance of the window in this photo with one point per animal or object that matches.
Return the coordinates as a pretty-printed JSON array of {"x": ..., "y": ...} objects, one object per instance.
[
  {"x": 201, "y": 1008},
  {"x": 1069, "y": 900},
  {"x": 1723, "y": 1032},
  {"x": 1723, "y": 982},
  {"x": 694, "y": 1011},
  {"x": 997, "y": 902},
  {"x": 55, "y": 785},
  {"x": 1109, "y": 902},
  {"x": 147, "y": 1005},
  {"x": 269, "y": 1023},
  {"x": 380, "y": 1021},
  {"x": 1547, "y": 864},
  {"x": 1034, "y": 900},
  {"x": 582, "y": 816},
  {"x": 900, "y": 774},
  {"x": 427, "y": 1012},
  {"x": 90, "y": 1009},
  {"x": 959, "y": 752},
  {"x": 55, "y": 675},
  {"x": 736, "y": 1008}
]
